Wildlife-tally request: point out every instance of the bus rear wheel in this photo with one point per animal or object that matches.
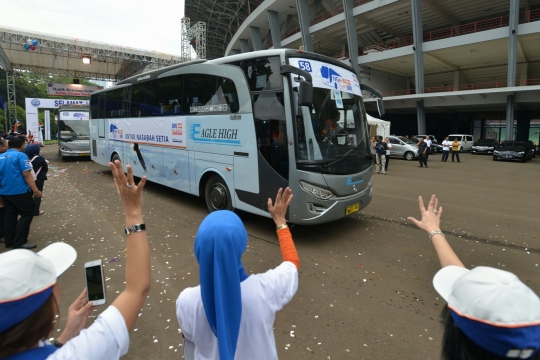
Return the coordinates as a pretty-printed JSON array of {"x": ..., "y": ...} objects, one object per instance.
[{"x": 217, "y": 194}]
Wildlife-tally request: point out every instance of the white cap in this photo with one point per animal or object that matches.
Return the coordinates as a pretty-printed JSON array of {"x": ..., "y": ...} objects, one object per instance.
[
  {"x": 27, "y": 279},
  {"x": 493, "y": 308}
]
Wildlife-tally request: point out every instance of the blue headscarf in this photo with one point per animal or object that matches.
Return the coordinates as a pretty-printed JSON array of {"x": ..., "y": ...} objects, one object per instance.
[
  {"x": 31, "y": 150},
  {"x": 220, "y": 242}
]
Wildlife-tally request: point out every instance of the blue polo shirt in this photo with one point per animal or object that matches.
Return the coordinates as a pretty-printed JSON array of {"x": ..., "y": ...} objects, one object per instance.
[{"x": 12, "y": 165}]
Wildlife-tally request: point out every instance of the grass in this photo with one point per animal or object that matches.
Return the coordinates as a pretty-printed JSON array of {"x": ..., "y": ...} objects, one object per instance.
[{"x": 50, "y": 142}]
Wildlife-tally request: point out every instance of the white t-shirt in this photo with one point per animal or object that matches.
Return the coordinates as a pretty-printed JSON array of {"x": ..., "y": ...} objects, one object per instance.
[
  {"x": 428, "y": 142},
  {"x": 262, "y": 296},
  {"x": 446, "y": 145},
  {"x": 106, "y": 338},
  {"x": 388, "y": 147}
]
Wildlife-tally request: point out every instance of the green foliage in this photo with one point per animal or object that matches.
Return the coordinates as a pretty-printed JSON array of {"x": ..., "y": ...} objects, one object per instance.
[{"x": 30, "y": 85}]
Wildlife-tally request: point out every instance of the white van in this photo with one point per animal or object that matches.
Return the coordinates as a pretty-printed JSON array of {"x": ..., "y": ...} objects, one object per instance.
[{"x": 465, "y": 141}]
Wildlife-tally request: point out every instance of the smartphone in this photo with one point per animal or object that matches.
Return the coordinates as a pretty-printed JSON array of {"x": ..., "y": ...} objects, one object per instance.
[{"x": 95, "y": 282}]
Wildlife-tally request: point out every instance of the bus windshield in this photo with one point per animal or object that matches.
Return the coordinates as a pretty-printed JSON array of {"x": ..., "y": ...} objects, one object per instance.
[
  {"x": 69, "y": 130},
  {"x": 333, "y": 130}
]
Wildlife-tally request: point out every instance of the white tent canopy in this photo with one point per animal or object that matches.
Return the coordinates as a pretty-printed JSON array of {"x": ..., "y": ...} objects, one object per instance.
[{"x": 382, "y": 127}]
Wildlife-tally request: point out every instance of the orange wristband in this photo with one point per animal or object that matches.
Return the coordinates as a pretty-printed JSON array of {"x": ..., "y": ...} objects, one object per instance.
[{"x": 288, "y": 250}]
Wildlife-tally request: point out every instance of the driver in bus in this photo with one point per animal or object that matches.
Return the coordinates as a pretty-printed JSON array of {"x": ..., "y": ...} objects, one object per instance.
[{"x": 332, "y": 126}]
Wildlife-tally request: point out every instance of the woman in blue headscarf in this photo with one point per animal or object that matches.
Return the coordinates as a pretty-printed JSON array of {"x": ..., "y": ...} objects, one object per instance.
[
  {"x": 230, "y": 315},
  {"x": 39, "y": 164}
]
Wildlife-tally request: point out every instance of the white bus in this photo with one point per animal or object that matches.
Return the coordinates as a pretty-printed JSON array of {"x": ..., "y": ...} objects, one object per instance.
[
  {"x": 235, "y": 129},
  {"x": 73, "y": 131}
]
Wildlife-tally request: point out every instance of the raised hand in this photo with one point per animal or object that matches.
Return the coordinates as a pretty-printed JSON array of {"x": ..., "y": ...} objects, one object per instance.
[
  {"x": 431, "y": 217},
  {"x": 129, "y": 193},
  {"x": 279, "y": 208}
]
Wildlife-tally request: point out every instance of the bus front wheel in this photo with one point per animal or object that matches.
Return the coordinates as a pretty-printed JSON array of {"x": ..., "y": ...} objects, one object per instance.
[{"x": 217, "y": 194}]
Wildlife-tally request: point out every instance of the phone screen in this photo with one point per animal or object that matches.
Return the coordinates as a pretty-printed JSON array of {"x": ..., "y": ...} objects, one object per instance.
[{"x": 94, "y": 283}]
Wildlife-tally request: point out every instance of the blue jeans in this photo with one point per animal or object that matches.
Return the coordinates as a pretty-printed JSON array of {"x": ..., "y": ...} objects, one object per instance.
[{"x": 445, "y": 155}]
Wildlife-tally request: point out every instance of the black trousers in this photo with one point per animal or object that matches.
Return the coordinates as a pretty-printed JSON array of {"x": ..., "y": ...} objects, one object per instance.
[
  {"x": 16, "y": 231},
  {"x": 422, "y": 159},
  {"x": 37, "y": 200},
  {"x": 445, "y": 155},
  {"x": 455, "y": 153},
  {"x": 2, "y": 215},
  {"x": 387, "y": 160}
]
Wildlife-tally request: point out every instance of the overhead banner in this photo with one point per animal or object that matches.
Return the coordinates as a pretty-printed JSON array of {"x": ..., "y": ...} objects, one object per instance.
[
  {"x": 164, "y": 132},
  {"x": 71, "y": 89},
  {"x": 328, "y": 76}
]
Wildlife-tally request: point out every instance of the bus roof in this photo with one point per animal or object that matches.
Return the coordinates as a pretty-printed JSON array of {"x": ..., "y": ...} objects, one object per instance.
[{"x": 150, "y": 75}]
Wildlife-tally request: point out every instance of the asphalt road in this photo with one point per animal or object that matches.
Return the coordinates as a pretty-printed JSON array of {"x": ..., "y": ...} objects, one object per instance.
[{"x": 365, "y": 282}]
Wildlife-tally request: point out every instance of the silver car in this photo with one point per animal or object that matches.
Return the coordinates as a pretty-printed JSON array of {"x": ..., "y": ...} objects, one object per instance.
[{"x": 403, "y": 148}]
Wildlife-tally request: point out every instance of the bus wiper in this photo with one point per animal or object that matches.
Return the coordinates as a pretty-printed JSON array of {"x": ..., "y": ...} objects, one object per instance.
[
  {"x": 325, "y": 166},
  {"x": 71, "y": 139}
]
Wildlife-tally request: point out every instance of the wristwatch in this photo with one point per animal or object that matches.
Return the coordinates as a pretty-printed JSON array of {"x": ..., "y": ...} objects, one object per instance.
[{"x": 135, "y": 228}]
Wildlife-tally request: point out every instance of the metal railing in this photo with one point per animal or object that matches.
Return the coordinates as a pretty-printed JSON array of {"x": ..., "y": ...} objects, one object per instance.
[
  {"x": 477, "y": 26},
  {"x": 462, "y": 87}
]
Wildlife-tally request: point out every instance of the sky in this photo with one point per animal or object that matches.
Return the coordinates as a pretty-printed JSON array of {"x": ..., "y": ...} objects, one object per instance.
[{"x": 142, "y": 24}]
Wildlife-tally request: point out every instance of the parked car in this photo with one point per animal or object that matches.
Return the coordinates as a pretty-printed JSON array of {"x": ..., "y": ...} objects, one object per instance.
[
  {"x": 403, "y": 148},
  {"x": 512, "y": 150},
  {"x": 465, "y": 141},
  {"x": 484, "y": 146},
  {"x": 435, "y": 146}
]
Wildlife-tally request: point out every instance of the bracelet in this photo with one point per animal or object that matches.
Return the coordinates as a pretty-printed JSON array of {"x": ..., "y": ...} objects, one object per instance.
[
  {"x": 435, "y": 232},
  {"x": 283, "y": 226},
  {"x": 135, "y": 228},
  {"x": 58, "y": 344}
]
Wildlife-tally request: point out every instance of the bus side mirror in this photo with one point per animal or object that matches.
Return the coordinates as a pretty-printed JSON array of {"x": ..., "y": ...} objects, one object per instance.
[
  {"x": 305, "y": 93},
  {"x": 380, "y": 107}
]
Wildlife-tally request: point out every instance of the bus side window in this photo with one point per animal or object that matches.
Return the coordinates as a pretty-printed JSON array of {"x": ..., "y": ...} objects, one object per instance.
[
  {"x": 208, "y": 95},
  {"x": 115, "y": 99},
  {"x": 94, "y": 106}
]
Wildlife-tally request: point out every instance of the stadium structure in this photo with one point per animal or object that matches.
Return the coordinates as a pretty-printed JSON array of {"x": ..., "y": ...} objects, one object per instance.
[{"x": 443, "y": 66}]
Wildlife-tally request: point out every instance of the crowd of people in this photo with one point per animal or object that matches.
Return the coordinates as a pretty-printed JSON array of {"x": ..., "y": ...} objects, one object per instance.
[{"x": 490, "y": 313}]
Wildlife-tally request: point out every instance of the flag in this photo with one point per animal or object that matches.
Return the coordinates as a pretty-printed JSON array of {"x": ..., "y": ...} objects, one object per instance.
[{"x": 2, "y": 103}]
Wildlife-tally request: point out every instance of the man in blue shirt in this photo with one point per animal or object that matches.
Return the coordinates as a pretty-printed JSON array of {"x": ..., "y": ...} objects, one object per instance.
[{"x": 16, "y": 187}]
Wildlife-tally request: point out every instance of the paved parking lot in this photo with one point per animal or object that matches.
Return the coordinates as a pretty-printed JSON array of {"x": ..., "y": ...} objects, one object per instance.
[{"x": 365, "y": 281}]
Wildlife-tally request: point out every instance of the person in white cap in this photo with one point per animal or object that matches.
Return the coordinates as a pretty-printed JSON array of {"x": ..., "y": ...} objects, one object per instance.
[
  {"x": 29, "y": 294},
  {"x": 490, "y": 313}
]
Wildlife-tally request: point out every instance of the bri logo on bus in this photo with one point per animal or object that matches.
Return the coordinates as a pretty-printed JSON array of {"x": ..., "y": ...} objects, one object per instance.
[
  {"x": 333, "y": 79},
  {"x": 116, "y": 133},
  {"x": 177, "y": 129}
]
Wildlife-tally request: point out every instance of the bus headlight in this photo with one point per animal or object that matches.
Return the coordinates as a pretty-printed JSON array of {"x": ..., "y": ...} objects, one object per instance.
[
  {"x": 64, "y": 148},
  {"x": 316, "y": 191}
]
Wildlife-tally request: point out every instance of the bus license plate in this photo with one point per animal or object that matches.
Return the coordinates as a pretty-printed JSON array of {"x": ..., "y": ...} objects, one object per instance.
[
  {"x": 85, "y": 154},
  {"x": 352, "y": 209}
]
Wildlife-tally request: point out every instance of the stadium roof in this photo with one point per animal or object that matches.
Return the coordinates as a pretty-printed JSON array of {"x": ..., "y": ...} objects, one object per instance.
[
  {"x": 57, "y": 55},
  {"x": 222, "y": 18}
]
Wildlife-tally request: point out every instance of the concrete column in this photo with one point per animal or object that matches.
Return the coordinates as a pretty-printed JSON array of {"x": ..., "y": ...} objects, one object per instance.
[
  {"x": 256, "y": 38},
  {"x": 512, "y": 61},
  {"x": 273, "y": 20},
  {"x": 421, "y": 116},
  {"x": 244, "y": 45},
  {"x": 418, "y": 40},
  {"x": 352, "y": 40},
  {"x": 522, "y": 131},
  {"x": 304, "y": 20},
  {"x": 343, "y": 50},
  {"x": 523, "y": 74},
  {"x": 456, "y": 80},
  {"x": 510, "y": 105}
]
